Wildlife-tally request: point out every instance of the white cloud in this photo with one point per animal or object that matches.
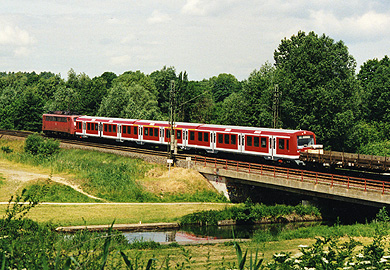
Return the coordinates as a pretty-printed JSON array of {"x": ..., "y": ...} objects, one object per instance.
[
  {"x": 205, "y": 7},
  {"x": 14, "y": 39},
  {"x": 22, "y": 51},
  {"x": 158, "y": 17},
  {"x": 13, "y": 35},
  {"x": 120, "y": 60},
  {"x": 368, "y": 25}
]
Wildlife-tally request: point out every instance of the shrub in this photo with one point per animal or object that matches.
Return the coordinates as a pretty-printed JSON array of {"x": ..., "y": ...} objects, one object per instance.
[
  {"x": 36, "y": 145},
  {"x": 6, "y": 149}
]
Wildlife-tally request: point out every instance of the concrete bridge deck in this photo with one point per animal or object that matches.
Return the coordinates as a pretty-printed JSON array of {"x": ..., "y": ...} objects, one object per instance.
[{"x": 337, "y": 187}]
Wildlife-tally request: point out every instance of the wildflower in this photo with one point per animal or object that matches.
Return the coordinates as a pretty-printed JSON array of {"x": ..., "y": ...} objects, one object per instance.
[{"x": 278, "y": 255}]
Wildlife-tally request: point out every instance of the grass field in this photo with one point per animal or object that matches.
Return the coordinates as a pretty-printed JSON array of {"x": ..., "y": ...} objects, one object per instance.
[
  {"x": 96, "y": 214},
  {"x": 103, "y": 176}
]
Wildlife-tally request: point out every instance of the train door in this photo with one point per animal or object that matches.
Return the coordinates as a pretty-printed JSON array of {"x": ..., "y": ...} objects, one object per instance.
[
  {"x": 272, "y": 146},
  {"x": 241, "y": 142},
  {"x": 84, "y": 128},
  {"x": 100, "y": 129},
  {"x": 212, "y": 142},
  {"x": 140, "y": 135},
  {"x": 185, "y": 138},
  {"x": 161, "y": 138},
  {"x": 119, "y": 133}
]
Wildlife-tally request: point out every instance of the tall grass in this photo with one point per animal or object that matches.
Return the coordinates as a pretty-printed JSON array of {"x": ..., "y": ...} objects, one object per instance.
[
  {"x": 107, "y": 176},
  {"x": 250, "y": 213}
]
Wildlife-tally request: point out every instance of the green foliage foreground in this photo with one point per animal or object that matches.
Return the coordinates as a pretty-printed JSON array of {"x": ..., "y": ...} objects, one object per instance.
[
  {"x": 25, "y": 244},
  {"x": 250, "y": 213}
]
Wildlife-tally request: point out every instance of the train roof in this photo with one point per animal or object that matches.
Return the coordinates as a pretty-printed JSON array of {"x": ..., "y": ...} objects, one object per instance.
[{"x": 197, "y": 126}]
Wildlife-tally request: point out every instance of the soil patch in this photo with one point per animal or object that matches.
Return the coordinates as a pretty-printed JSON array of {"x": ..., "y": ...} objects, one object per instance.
[{"x": 16, "y": 176}]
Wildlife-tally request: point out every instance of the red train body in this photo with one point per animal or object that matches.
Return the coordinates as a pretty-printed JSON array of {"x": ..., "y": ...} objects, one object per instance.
[
  {"x": 275, "y": 144},
  {"x": 59, "y": 123}
]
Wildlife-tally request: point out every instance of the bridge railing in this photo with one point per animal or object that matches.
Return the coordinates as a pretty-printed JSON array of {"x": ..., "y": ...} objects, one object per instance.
[{"x": 292, "y": 174}]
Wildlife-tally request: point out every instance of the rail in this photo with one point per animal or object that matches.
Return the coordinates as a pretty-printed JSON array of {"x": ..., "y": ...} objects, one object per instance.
[
  {"x": 291, "y": 174},
  {"x": 342, "y": 159}
]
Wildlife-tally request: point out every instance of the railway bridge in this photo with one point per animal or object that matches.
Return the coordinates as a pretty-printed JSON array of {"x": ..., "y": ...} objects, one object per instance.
[{"x": 311, "y": 183}]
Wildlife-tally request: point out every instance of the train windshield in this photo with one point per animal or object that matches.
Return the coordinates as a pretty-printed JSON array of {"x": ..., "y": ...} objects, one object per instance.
[{"x": 305, "y": 141}]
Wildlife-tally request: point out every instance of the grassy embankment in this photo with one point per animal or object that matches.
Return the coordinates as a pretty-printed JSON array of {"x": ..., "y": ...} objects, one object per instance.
[
  {"x": 107, "y": 177},
  {"x": 220, "y": 256}
]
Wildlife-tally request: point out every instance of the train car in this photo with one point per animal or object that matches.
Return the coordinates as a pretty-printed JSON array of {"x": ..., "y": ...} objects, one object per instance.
[
  {"x": 275, "y": 144},
  {"x": 59, "y": 123}
]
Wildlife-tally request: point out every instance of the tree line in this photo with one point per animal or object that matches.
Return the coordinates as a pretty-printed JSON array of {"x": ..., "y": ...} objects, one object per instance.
[{"x": 313, "y": 84}]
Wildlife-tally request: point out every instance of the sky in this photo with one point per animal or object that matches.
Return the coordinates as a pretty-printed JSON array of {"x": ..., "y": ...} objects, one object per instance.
[{"x": 202, "y": 37}]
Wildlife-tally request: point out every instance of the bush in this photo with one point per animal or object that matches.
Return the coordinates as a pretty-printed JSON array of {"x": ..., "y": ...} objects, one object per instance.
[
  {"x": 6, "y": 149},
  {"x": 248, "y": 213},
  {"x": 36, "y": 145}
]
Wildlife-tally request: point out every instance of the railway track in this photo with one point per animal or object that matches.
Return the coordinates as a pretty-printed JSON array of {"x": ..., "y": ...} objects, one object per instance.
[
  {"x": 102, "y": 145},
  {"x": 302, "y": 174},
  {"x": 15, "y": 133}
]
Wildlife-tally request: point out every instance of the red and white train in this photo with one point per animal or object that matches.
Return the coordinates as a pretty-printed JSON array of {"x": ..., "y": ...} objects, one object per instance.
[{"x": 274, "y": 144}]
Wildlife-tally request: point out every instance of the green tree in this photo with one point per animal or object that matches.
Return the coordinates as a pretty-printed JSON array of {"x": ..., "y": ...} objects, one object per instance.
[
  {"x": 374, "y": 77},
  {"x": 258, "y": 93},
  {"x": 223, "y": 86},
  {"x": 316, "y": 78},
  {"x": 130, "y": 77},
  {"x": 64, "y": 99},
  {"x": 162, "y": 80},
  {"x": 202, "y": 104},
  {"x": 28, "y": 110},
  {"x": 132, "y": 101},
  {"x": 233, "y": 110},
  {"x": 108, "y": 77}
]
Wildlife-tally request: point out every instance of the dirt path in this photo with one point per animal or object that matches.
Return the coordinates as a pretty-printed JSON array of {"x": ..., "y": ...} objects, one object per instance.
[{"x": 16, "y": 177}]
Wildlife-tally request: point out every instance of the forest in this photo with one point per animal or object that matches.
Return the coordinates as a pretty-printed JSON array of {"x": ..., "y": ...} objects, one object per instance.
[{"x": 313, "y": 84}]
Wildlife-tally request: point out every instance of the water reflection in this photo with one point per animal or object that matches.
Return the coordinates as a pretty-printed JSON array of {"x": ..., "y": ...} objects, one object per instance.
[{"x": 197, "y": 233}]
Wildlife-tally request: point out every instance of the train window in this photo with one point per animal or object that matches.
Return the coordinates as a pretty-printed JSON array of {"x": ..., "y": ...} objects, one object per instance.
[
  {"x": 226, "y": 138},
  {"x": 200, "y": 136},
  {"x": 105, "y": 128},
  {"x": 234, "y": 139},
  {"x": 156, "y": 132},
  {"x": 192, "y": 135},
  {"x": 281, "y": 144},
  {"x": 305, "y": 141},
  {"x": 79, "y": 125},
  {"x": 168, "y": 133},
  {"x": 249, "y": 140},
  {"x": 263, "y": 142},
  {"x": 146, "y": 132},
  {"x": 109, "y": 128},
  {"x": 114, "y": 128},
  {"x": 88, "y": 126},
  {"x": 128, "y": 130},
  {"x": 96, "y": 126},
  {"x": 206, "y": 137},
  {"x": 124, "y": 130},
  {"x": 220, "y": 138},
  {"x": 178, "y": 134},
  {"x": 256, "y": 141}
]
